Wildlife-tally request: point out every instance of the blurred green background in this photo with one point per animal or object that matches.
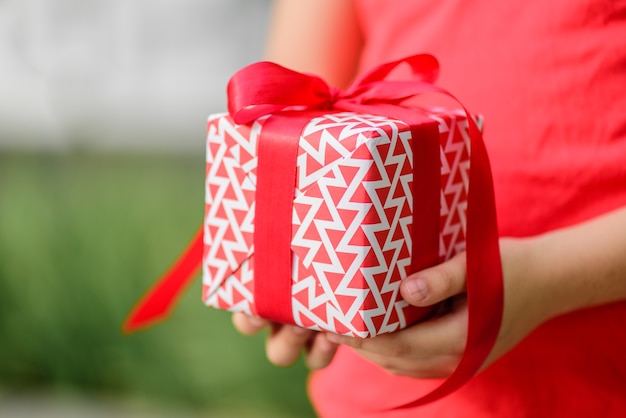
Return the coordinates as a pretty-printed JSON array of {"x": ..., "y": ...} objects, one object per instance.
[{"x": 83, "y": 235}]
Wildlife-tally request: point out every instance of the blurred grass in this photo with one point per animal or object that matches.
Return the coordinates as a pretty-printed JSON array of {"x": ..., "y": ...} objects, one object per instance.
[{"x": 81, "y": 238}]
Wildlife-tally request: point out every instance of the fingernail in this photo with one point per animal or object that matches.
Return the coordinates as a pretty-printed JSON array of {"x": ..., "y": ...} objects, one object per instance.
[
  {"x": 256, "y": 321},
  {"x": 334, "y": 338},
  {"x": 300, "y": 331},
  {"x": 326, "y": 345},
  {"x": 417, "y": 288}
]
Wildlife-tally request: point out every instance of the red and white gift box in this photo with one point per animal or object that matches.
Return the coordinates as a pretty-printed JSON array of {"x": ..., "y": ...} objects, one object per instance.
[
  {"x": 319, "y": 202},
  {"x": 351, "y": 217}
]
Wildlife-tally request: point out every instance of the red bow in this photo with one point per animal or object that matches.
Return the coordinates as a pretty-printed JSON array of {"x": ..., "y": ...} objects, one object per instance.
[{"x": 265, "y": 87}]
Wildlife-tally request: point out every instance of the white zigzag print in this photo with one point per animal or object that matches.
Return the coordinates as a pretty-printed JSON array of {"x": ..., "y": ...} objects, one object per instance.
[{"x": 351, "y": 233}]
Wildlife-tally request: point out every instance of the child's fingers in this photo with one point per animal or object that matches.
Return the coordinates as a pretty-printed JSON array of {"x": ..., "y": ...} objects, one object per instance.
[
  {"x": 321, "y": 352},
  {"x": 285, "y": 343},
  {"x": 248, "y": 325},
  {"x": 435, "y": 284}
]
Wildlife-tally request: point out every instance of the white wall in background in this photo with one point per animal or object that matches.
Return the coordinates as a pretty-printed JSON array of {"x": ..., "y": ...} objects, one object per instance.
[{"x": 138, "y": 74}]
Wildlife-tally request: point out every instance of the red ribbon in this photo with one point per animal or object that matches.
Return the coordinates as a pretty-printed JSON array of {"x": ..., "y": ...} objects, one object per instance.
[
  {"x": 276, "y": 181},
  {"x": 266, "y": 88}
]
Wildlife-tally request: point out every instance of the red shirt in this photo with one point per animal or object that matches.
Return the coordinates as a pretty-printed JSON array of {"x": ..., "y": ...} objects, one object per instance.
[{"x": 549, "y": 77}]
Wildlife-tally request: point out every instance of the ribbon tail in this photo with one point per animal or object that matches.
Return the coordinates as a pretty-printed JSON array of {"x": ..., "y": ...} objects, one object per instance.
[
  {"x": 157, "y": 304},
  {"x": 485, "y": 292},
  {"x": 424, "y": 67}
]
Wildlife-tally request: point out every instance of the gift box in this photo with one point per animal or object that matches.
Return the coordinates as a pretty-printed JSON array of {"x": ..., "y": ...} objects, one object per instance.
[
  {"x": 351, "y": 216},
  {"x": 320, "y": 201}
]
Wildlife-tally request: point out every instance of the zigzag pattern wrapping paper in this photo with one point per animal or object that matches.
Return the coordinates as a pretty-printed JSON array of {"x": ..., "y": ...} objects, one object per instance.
[{"x": 351, "y": 220}]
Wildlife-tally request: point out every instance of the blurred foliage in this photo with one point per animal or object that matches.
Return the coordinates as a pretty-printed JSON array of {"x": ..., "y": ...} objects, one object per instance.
[{"x": 82, "y": 236}]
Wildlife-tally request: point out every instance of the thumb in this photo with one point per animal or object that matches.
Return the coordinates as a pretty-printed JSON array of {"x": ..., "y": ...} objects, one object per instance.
[{"x": 435, "y": 284}]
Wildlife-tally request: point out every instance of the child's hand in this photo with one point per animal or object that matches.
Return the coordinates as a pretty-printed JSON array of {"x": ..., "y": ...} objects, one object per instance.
[
  {"x": 433, "y": 349},
  {"x": 286, "y": 342}
]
